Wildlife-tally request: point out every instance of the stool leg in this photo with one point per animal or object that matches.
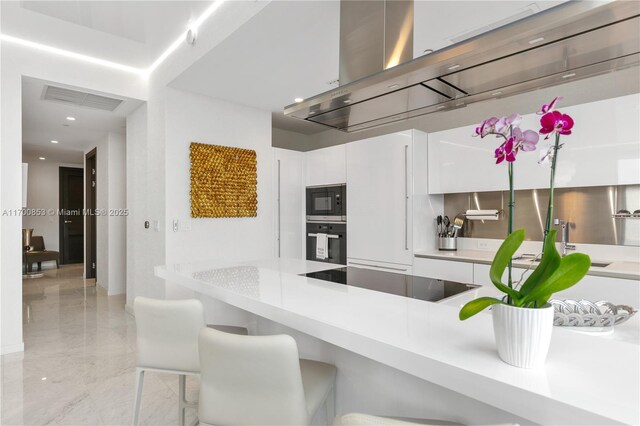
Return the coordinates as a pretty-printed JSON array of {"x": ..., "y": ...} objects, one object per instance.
[
  {"x": 182, "y": 385},
  {"x": 138, "y": 397}
]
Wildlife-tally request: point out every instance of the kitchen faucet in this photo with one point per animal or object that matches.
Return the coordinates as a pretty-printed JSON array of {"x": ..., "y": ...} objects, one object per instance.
[{"x": 565, "y": 236}]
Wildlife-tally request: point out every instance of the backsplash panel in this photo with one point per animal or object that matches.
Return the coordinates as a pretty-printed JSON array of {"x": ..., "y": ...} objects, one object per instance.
[{"x": 588, "y": 210}]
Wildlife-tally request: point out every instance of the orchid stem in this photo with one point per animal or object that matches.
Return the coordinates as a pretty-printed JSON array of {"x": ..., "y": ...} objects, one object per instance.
[
  {"x": 551, "y": 186},
  {"x": 510, "y": 222}
]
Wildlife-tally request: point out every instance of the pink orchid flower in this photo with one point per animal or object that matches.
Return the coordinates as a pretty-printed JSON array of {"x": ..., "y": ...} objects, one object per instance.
[
  {"x": 506, "y": 151},
  {"x": 549, "y": 107},
  {"x": 502, "y": 125},
  {"x": 556, "y": 122},
  {"x": 526, "y": 140},
  {"x": 486, "y": 127}
]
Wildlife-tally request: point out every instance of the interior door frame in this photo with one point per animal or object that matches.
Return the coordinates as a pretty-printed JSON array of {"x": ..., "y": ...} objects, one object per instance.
[
  {"x": 62, "y": 172},
  {"x": 91, "y": 186}
]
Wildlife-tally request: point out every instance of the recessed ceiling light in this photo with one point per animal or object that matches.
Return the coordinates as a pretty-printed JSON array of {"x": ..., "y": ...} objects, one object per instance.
[
  {"x": 536, "y": 40},
  {"x": 347, "y": 101},
  {"x": 426, "y": 51},
  {"x": 571, "y": 74},
  {"x": 54, "y": 141},
  {"x": 298, "y": 100},
  {"x": 393, "y": 86},
  {"x": 71, "y": 118},
  {"x": 41, "y": 158},
  {"x": 496, "y": 93},
  {"x": 43, "y": 379},
  {"x": 454, "y": 67}
]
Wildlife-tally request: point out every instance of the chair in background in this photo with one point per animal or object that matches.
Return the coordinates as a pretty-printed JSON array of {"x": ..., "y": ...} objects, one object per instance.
[
  {"x": 167, "y": 340},
  {"x": 39, "y": 254},
  {"x": 259, "y": 380}
]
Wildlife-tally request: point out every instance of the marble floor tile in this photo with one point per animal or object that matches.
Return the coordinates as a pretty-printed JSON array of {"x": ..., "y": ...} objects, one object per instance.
[{"x": 78, "y": 367}]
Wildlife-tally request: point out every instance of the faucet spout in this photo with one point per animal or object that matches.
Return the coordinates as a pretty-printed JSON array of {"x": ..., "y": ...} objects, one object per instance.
[{"x": 564, "y": 227}]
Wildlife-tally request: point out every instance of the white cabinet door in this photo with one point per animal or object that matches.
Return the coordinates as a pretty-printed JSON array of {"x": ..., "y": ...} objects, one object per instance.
[
  {"x": 379, "y": 207},
  {"x": 289, "y": 204},
  {"x": 604, "y": 139},
  {"x": 325, "y": 166},
  {"x": 443, "y": 269},
  {"x": 593, "y": 288}
]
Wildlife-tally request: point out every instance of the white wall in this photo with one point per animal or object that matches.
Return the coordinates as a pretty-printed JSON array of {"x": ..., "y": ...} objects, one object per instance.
[
  {"x": 195, "y": 118},
  {"x": 43, "y": 189},
  {"x": 111, "y": 228},
  {"x": 138, "y": 266}
]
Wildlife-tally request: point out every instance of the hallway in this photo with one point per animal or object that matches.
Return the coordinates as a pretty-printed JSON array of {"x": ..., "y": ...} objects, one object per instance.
[{"x": 79, "y": 360}]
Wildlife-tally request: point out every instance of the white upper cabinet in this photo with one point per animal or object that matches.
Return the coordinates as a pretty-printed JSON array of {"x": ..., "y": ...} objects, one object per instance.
[
  {"x": 325, "y": 166},
  {"x": 604, "y": 149},
  {"x": 379, "y": 189}
]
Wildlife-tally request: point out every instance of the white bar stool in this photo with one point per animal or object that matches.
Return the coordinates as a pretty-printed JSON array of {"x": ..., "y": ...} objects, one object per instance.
[
  {"x": 167, "y": 340},
  {"x": 259, "y": 380},
  {"x": 359, "y": 419}
]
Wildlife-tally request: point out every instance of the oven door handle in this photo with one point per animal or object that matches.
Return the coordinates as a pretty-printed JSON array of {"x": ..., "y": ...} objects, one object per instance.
[{"x": 328, "y": 235}]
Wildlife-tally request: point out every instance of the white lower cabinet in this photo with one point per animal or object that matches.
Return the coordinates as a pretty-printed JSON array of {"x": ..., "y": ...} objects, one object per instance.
[
  {"x": 594, "y": 288},
  {"x": 448, "y": 270}
]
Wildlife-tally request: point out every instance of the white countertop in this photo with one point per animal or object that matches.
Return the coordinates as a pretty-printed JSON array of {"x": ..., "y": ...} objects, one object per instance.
[
  {"x": 617, "y": 269},
  {"x": 587, "y": 379}
]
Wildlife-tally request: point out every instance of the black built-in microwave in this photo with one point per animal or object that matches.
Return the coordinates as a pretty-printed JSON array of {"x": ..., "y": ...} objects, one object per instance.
[{"x": 327, "y": 203}]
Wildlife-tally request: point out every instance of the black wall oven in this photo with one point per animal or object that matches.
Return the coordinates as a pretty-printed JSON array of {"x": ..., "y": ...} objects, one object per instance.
[
  {"x": 336, "y": 242},
  {"x": 327, "y": 203}
]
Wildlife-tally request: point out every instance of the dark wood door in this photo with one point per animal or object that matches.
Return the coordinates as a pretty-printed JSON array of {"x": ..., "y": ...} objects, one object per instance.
[
  {"x": 71, "y": 215},
  {"x": 91, "y": 186}
]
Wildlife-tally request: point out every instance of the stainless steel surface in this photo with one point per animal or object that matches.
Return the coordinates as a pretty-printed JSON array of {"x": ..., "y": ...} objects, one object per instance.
[
  {"x": 588, "y": 210},
  {"x": 312, "y": 218},
  {"x": 328, "y": 235},
  {"x": 406, "y": 197},
  {"x": 374, "y": 35},
  {"x": 447, "y": 243},
  {"x": 582, "y": 38},
  {"x": 327, "y": 186}
]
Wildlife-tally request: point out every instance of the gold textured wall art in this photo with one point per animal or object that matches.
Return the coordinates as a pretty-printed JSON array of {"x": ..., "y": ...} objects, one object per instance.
[{"x": 224, "y": 181}]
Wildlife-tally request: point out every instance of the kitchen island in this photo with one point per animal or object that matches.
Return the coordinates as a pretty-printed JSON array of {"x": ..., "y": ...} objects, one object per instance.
[{"x": 587, "y": 379}]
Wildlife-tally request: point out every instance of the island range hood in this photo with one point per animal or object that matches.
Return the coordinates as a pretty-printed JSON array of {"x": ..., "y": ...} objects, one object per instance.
[{"x": 572, "y": 41}]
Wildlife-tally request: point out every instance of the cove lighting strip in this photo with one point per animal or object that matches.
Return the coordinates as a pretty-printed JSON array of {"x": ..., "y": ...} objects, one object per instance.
[{"x": 144, "y": 72}]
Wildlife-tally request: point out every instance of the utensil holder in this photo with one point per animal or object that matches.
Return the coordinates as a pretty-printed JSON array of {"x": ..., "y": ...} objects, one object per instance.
[{"x": 448, "y": 243}]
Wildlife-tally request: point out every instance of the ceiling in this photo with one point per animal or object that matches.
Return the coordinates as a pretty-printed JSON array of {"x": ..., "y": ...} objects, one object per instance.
[
  {"x": 291, "y": 49},
  {"x": 287, "y": 50},
  {"x": 129, "y": 32},
  {"x": 44, "y": 121}
]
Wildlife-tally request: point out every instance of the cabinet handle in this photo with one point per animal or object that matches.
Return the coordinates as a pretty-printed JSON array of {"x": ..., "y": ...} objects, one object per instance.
[
  {"x": 377, "y": 266},
  {"x": 328, "y": 235},
  {"x": 406, "y": 197},
  {"x": 279, "y": 220}
]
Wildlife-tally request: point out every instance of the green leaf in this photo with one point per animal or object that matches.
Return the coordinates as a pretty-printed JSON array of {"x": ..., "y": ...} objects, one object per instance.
[
  {"x": 476, "y": 305},
  {"x": 571, "y": 270},
  {"x": 548, "y": 264},
  {"x": 502, "y": 259}
]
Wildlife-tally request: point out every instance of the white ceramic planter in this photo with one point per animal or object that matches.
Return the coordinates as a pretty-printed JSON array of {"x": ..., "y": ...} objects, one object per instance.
[{"x": 522, "y": 334}]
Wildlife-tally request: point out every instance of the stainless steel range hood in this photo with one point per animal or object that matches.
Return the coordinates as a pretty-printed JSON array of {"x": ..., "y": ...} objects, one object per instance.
[{"x": 572, "y": 41}]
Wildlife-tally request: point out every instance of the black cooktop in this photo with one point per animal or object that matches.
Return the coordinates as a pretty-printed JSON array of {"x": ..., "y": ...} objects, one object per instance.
[{"x": 428, "y": 289}]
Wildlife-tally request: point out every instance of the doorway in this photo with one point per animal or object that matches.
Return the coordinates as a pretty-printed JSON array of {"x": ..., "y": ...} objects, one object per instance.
[
  {"x": 71, "y": 221},
  {"x": 91, "y": 225}
]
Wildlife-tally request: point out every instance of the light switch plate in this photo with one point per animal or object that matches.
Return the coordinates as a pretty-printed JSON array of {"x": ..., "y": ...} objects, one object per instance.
[{"x": 175, "y": 225}]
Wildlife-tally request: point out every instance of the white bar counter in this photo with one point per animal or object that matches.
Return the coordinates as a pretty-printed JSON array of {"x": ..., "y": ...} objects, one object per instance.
[{"x": 587, "y": 379}]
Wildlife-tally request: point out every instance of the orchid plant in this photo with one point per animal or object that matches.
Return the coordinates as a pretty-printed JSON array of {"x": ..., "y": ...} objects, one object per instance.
[{"x": 553, "y": 273}]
